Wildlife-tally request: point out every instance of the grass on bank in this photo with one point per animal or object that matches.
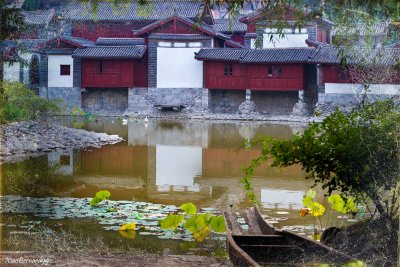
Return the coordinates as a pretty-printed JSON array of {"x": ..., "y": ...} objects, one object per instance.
[{"x": 20, "y": 103}]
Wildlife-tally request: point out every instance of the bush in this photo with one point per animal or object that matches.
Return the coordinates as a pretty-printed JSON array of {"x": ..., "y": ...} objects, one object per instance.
[
  {"x": 356, "y": 154},
  {"x": 20, "y": 103}
]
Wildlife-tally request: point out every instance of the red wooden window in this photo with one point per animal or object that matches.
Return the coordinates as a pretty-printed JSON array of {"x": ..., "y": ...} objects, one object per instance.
[
  {"x": 274, "y": 71},
  {"x": 65, "y": 70},
  {"x": 228, "y": 69}
]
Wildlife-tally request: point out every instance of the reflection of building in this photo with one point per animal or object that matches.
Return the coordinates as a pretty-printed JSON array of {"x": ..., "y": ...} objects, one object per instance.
[
  {"x": 171, "y": 162},
  {"x": 63, "y": 160}
]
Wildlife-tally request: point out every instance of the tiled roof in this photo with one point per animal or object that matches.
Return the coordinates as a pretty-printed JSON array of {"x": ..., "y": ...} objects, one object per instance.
[
  {"x": 361, "y": 29},
  {"x": 201, "y": 26},
  {"x": 77, "y": 40},
  {"x": 186, "y": 37},
  {"x": 229, "y": 25},
  {"x": 110, "y": 52},
  {"x": 39, "y": 17},
  {"x": 119, "y": 41},
  {"x": 60, "y": 51},
  {"x": 336, "y": 55},
  {"x": 223, "y": 54},
  {"x": 278, "y": 55},
  {"x": 154, "y": 10},
  {"x": 273, "y": 55}
]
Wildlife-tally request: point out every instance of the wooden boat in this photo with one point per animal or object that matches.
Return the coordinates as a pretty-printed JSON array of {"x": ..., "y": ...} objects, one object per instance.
[{"x": 264, "y": 245}]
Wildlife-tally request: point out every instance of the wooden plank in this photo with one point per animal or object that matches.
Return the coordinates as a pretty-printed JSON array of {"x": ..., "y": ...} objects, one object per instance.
[
  {"x": 250, "y": 218},
  {"x": 266, "y": 229},
  {"x": 232, "y": 222}
]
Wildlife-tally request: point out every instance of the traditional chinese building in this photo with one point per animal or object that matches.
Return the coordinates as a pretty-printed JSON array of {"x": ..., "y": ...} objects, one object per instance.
[{"x": 181, "y": 55}]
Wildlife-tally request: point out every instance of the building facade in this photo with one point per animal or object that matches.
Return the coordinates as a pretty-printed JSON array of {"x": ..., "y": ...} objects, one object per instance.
[{"x": 181, "y": 55}]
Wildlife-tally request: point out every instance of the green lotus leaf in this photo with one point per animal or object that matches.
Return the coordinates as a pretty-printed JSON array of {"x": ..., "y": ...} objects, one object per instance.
[
  {"x": 172, "y": 221},
  {"x": 189, "y": 208},
  {"x": 195, "y": 223},
  {"x": 103, "y": 194},
  {"x": 217, "y": 224}
]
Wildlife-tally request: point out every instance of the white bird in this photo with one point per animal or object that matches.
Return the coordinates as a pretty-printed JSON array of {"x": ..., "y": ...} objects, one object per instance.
[
  {"x": 146, "y": 119},
  {"x": 124, "y": 121}
]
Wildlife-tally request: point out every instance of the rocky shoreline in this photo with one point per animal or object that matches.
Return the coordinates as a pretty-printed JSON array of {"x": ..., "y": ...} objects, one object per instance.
[{"x": 20, "y": 140}]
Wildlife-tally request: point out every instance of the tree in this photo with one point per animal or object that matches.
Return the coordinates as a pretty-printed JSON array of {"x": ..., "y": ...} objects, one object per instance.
[
  {"x": 357, "y": 154},
  {"x": 11, "y": 26}
]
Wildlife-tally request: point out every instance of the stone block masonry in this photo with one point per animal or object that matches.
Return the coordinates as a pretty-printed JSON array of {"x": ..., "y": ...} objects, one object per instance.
[
  {"x": 70, "y": 97},
  {"x": 140, "y": 100}
]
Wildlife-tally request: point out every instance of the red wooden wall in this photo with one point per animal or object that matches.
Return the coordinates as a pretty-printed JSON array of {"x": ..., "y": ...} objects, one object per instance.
[
  {"x": 333, "y": 74},
  {"x": 215, "y": 78},
  {"x": 292, "y": 78},
  {"x": 115, "y": 73},
  {"x": 253, "y": 76}
]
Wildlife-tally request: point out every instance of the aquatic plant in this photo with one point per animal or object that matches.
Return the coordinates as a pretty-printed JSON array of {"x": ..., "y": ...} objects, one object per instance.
[
  {"x": 100, "y": 196},
  {"x": 338, "y": 203},
  {"x": 198, "y": 224}
]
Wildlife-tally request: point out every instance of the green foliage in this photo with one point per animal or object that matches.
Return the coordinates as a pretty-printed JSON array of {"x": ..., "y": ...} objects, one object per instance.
[
  {"x": 100, "y": 196},
  {"x": 217, "y": 223},
  {"x": 95, "y": 201},
  {"x": 356, "y": 154},
  {"x": 172, "y": 221},
  {"x": 199, "y": 224},
  {"x": 189, "y": 208},
  {"x": 20, "y": 103},
  {"x": 103, "y": 194},
  {"x": 195, "y": 223}
]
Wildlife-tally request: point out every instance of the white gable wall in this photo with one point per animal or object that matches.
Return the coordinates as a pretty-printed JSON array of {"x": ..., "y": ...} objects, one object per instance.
[
  {"x": 11, "y": 71},
  {"x": 54, "y": 77},
  {"x": 290, "y": 38},
  {"x": 177, "y": 68}
]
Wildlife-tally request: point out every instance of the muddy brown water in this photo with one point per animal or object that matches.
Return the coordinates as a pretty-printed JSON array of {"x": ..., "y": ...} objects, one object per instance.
[{"x": 166, "y": 162}]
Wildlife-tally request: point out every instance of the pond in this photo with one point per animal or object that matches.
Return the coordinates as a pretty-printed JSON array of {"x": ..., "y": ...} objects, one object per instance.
[{"x": 160, "y": 165}]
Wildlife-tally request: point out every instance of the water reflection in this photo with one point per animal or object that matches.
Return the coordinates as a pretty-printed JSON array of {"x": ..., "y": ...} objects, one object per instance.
[{"x": 174, "y": 162}]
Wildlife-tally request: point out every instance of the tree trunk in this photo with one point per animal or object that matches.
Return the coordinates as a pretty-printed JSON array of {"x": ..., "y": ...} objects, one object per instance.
[{"x": 1, "y": 73}]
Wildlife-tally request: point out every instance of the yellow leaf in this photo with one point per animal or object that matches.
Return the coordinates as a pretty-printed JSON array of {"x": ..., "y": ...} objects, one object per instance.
[
  {"x": 202, "y": 234},
  {"x": 304, "y": 212},
  {"x": 128, "y": 227},
  {"x": 316, "y": 209}
]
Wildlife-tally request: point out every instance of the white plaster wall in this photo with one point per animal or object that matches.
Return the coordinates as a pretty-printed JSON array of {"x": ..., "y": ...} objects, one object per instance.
[
  {"x": 348, "y": 88},
  {"x": 288, "y": 40},
  {"x": 27, "y": 57},
  {"x": 178, "y": 165},
  {"x": 177, "y": 68},
  {"x": 54, "y": 77},
  {"x": 11, "y": 71}
]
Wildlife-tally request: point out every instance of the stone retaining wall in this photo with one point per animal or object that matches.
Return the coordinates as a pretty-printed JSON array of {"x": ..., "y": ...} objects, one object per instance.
[
  {"x": 140, "y": 100},
  {"x": 327, "y": 103},
  {"x": 70, "y": 96},
  {"x": 110, "y": 100}
]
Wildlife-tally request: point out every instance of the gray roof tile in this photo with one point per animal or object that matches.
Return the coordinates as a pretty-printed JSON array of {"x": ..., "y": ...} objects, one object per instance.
[
  {"x": 273, "y": 55},
  {"x": 110, "y": 52},
  {"x": 154, "y": 10},
  {"x": 39, "y": 17},
  {"x": 119, "y": 41},
  {"x": 222, "y": 54},
  {"x": 335, "y": 55},
  {"x": 229, "y": 25},
  {"x": 186, "y": 37}
]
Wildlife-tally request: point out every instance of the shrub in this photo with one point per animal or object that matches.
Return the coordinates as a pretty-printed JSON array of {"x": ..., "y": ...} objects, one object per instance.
[{"x": 20, "y": 103}]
